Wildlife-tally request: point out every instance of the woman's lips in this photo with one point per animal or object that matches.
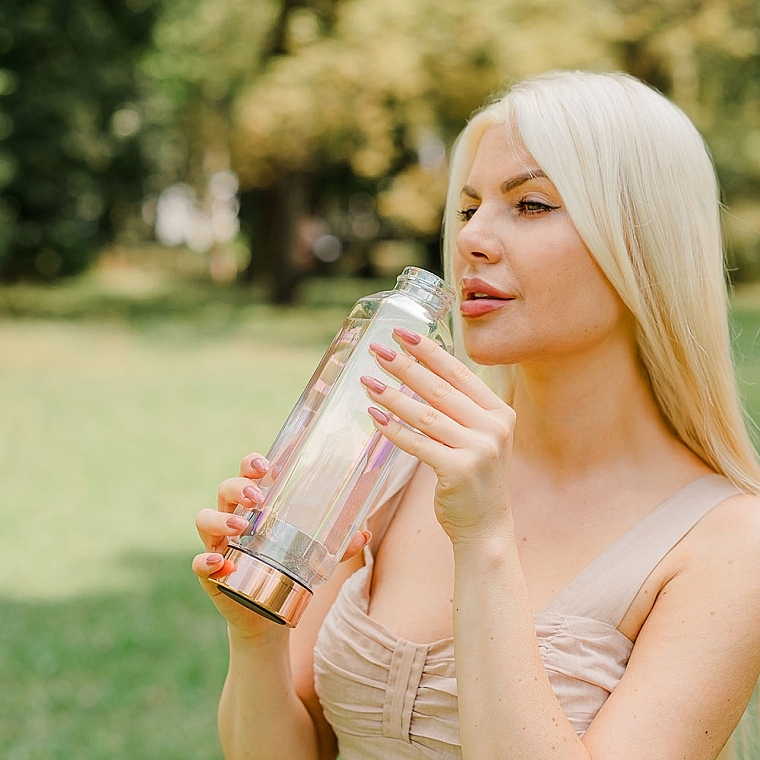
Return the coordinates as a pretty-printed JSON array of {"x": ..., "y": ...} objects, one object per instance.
[
  {"x": 480, "y": 297},
  {"x": 477, "y": 307}
]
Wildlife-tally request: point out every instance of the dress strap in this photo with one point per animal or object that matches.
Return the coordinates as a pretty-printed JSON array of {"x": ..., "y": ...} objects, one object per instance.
[{"x": 606, "y": 587}]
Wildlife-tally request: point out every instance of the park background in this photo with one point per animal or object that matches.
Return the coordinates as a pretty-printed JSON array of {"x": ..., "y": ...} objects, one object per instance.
[{"x": 192, "y": 194}]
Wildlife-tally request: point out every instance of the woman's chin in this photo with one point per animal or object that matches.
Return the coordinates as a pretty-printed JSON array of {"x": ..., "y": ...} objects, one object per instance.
[{"x": 484, "y": 355}]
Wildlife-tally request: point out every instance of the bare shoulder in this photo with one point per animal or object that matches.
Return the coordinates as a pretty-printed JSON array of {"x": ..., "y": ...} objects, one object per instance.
[
  {"x": 697, "y": 654},
  {"x": 719, "y": 560},
  {"x": 720, "y": 553},
  {"x": 728, "y": 536}
]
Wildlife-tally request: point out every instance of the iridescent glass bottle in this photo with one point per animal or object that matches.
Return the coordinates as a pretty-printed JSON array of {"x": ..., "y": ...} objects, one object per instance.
[{"x": 328, "y": 462}]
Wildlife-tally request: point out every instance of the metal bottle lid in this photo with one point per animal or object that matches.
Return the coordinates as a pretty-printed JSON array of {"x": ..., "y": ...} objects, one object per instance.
[{"x": 264, "y": 589}]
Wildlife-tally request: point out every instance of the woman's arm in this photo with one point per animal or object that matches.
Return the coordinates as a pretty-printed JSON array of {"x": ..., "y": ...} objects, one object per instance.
[
  {"x": 507, "y": 708},
  {"x": 260, "y": 714},
  {"x": 268, "y": 706},
  {"x": 673, "y": 701}
]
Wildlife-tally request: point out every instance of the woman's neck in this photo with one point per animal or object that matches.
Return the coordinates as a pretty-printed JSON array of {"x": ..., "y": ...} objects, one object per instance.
[{"x": 583, "y": 414}]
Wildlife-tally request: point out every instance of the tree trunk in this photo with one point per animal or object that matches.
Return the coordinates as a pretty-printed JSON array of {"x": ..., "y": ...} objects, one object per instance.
[{"x": 271, "y": 216}]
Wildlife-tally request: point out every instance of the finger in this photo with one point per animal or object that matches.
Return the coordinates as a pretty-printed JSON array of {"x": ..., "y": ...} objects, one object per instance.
[
  {"x": 254, "y": 466},
  {"x": 423, "y": 417},
  {"x": 213, "y": 564},
  {"x": 443, "y": 364},
  {"x": 436, "y": 390},
  {"x": 418, "y": 445},
  {"x": 358, "y": 542},
  {"x": 216, "y": 528},
  {"x": 240, "y": 490}
]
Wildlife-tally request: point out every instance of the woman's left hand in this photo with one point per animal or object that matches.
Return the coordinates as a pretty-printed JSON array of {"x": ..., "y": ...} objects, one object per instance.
[{"x": 465, "y": 433}]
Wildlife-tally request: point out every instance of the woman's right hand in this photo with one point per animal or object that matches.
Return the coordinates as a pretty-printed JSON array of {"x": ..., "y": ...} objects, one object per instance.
[{"x": 215, "y": 528}]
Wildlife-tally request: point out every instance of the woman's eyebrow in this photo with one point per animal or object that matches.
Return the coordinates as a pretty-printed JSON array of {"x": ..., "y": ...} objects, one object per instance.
[
  {"x": 514, "y": 182},
  {"x": 509, "y": 184}
]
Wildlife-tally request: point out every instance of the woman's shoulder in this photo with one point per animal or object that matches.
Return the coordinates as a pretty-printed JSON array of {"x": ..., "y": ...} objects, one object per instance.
[
  {"x": 698, "y": 650},
  {"x": 383, "y": 506},
  {"x": 733, "y": 517},
  {"x": 720, "y": 554},
  {"x": 717, "y": 558},
  {"x": 731, "y": 527}
]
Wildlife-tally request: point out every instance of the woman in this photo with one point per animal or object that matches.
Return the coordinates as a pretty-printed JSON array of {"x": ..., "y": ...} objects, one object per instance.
[{"x": 568, "y": 566}]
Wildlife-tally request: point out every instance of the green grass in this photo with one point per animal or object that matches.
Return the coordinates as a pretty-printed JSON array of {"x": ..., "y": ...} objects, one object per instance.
[
  {"x": 120, "y": 414},
  {"x": 123, "y": 402}
]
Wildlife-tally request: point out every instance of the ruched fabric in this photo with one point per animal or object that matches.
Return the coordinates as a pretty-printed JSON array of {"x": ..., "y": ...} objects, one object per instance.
[{"x": 384, "y": 696}]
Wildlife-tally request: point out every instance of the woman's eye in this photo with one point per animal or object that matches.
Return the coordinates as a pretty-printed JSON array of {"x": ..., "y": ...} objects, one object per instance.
[
  {"x": 533, "y": 208},
  {"x": 466, "y": 214}
]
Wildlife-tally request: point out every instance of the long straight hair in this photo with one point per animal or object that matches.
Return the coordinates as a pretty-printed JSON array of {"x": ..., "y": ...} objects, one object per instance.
[{"x": 639, "y": 185}]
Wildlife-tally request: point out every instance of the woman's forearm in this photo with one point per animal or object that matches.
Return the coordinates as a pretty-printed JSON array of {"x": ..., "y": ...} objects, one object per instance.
[
  {"x": 507, "y": 707},
  {"x": 260, "y": 714}
]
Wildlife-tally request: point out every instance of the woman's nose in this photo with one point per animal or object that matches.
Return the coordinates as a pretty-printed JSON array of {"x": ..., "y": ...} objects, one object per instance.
[{"x": 478, "y": 241}]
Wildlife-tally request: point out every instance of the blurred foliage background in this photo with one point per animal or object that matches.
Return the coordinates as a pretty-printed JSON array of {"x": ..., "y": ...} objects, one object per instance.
[
  {"x": 278, "y": 139},
  {"x": 192, "y": 194}
]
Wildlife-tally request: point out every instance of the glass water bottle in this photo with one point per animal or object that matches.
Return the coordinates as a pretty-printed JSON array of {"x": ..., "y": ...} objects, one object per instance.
[{"x": 328, "y": 462}]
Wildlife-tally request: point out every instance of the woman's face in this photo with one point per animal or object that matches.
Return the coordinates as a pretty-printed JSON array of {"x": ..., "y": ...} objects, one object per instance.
[{"x": 529, "y": 289}]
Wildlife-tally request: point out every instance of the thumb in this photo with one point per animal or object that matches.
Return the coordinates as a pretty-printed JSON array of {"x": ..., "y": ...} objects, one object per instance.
[{"x": 358, "y": 542}]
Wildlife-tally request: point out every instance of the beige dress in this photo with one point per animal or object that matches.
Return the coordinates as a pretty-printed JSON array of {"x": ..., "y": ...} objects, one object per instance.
[{"x": 388, "y": 698}]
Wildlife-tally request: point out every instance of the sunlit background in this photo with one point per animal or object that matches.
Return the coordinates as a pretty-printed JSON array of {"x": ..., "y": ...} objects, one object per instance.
[{"x": 192, "y": 194}]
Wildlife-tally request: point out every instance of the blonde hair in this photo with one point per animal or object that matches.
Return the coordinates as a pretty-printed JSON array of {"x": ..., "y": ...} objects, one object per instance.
[{"x": 637, "y": 180}]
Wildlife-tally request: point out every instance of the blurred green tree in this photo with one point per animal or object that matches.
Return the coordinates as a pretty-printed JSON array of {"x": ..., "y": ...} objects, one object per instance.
[
  {"x": 363, "y": 102},
  {"x": 70, "y": 165},
  {"x": 205, "y": 53},
  {"x": 331, "y": 110},
  {"x": 360, "y": 97}
]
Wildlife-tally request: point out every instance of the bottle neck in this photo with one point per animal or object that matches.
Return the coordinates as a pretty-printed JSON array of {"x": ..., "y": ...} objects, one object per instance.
[{"x": 429, "y": 289}]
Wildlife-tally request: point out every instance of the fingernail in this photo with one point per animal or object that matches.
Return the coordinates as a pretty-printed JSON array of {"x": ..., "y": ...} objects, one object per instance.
[
  {"x": 260, "y": 464},
  {"x": 253, "y": 494},
  {"x": 214, "y": 559},
  {"x": 407, "y": 335},
  {"x": 373, "y": 384},
  {"x": 367, "y": 536},
  {"x": 237, "y": 522},
  {"x": 383, "y": 351},
  {"x": 382, "y": 417}
]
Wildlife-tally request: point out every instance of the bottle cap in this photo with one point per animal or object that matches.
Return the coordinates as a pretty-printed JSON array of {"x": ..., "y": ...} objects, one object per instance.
[{"x": 264, "y": 589}]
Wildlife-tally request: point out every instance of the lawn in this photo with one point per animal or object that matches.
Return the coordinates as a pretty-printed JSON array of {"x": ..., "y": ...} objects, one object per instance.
[
  {"x": 122, "y": 409},
  {"x": 124, "y": 402}
]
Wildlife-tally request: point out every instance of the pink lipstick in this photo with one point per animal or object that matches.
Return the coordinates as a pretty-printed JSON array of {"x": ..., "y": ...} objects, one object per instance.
[{"x": 480, "y": 297}]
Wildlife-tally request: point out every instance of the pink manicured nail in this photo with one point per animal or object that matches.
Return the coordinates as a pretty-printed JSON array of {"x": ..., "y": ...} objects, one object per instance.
[
  {"x": 237, "y": 522},
  {"x": 383, "y": 351},
  {"x": 214, "y": 559},
  {"x": 382, "y": 417},
  {"x": 412, "y": 338},
  {"x": 260, "y": 464},
  {"x": 373, "y": 384},
  {"x": 253, "y": 494}
]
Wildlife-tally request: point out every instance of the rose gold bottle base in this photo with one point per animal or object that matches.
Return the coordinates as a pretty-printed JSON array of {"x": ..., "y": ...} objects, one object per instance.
[{"x": 264, "y": 589}]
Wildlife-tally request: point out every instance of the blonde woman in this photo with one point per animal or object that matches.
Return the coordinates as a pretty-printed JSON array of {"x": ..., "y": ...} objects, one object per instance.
[{"x": 565, "y": 566}]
